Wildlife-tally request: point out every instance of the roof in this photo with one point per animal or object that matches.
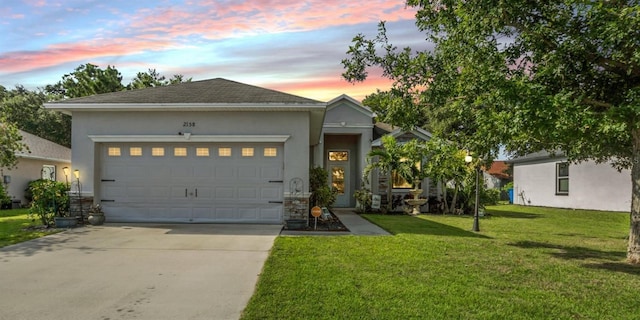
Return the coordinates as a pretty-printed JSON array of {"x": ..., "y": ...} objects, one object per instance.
[
  {"x": 498, "y": 169},
  {"x": 43, "y": 149},
  {"x": 216, "y": 90},
  {"x": 537, "y": 156},
  {"x": 397, "y": 133}
]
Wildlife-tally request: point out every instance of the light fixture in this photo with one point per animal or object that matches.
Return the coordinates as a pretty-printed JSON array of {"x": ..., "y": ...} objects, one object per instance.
[
  {"x": 66, "y": 171},
  {"x": 76, "y": 173},
  {"x": 468, "y": 158}
]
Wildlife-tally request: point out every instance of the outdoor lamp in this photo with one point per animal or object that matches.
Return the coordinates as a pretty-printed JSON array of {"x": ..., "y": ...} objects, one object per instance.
[
  {"x": 76, "y": 173},
  {"x": 66, "y": 171},
  {"x": 468, "y": 158}
]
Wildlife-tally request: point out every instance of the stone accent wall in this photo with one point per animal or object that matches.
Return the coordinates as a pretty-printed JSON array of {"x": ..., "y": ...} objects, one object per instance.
[
  {"x": 79, "y": 205},
  {"x": 296, "y": 207}
]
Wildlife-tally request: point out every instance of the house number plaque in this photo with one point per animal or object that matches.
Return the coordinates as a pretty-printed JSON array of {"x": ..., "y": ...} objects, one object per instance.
[{"x": 189, "y": 124}]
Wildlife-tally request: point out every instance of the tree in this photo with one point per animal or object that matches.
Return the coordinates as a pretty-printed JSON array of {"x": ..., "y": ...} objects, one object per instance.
[
  {"x": 87, "y": 79},
  {"x": 529, "y": 75},
  {"x": 25, "y": 109},
  {"x": 152, "y": 78},
  {"x": 10, "y": 143}
]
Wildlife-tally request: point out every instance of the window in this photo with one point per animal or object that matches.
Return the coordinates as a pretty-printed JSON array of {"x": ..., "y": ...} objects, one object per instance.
[
  {"x": 113, "y": 151},
  {"x": 135, "y": 151},
  {"x": 180, "y": 152},
  {"x": 202, "y": 152},
  {"x": 270, "y": 152},
  {"x": 247, "y": 152},
  {"x": 224, "y": 152},
  {"x": 157, "y": 152},
  {"x": 338, "y": 156},
  {"x": 562, "y": 178}
]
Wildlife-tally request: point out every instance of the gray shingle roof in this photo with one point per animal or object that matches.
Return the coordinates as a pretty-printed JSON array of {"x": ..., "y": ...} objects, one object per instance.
[
  {"x": 213, "y": 91},
  {"x": 40, "y": 148}
]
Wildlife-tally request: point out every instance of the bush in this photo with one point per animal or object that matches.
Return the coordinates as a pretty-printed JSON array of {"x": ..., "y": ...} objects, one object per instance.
[
  {"x": 5, "y": 201},
  {"x": 363, "y": 196},
  {"x": 49, "y": 199},
  {"x": 321, "y": 194}
]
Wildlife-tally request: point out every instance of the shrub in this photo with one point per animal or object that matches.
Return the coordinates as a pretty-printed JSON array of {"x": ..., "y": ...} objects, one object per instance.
[
  {"x": 5, "y": 200},
  {"x": 49, "y": 199},
  {"x": 321, "y": 194}
]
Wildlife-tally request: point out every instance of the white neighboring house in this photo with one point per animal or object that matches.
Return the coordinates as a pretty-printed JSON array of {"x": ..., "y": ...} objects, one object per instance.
[
  {"x": 44, "y": 159},
  {"x": 541, "y": 179}
]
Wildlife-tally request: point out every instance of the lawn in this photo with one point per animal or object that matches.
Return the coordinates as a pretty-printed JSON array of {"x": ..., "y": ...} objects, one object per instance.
[
  {"x": 526, "y": 263},
  {"x": 16, "y": 226}
]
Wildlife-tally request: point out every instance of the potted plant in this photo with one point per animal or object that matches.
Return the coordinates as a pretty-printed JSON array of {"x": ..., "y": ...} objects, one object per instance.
[{"x": 96, "y": 216}]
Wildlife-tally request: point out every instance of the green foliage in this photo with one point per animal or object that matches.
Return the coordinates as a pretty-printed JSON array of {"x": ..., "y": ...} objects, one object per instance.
[
  {"x": 49, "y": 199},
  {"x": 10, "y": 143},
  {"x": 86, "y": 80},
  {"x": 5, "y": 200},
  {"x": 321, "y": 193},
  {"x": 25, "y": 109},
  {"x": 152, "y": 78},
  {"x": 526, "y": 75},
  {"x": 363, "y": 197}
]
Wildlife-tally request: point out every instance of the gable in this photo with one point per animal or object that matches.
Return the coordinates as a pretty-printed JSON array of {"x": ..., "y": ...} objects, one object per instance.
[{"x": 345, "y": 109}]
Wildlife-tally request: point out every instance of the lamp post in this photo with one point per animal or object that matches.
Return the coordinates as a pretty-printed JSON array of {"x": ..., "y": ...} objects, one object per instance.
[
  {"x": 476, "y": 218},
  {"x": 76, "y": 173}
]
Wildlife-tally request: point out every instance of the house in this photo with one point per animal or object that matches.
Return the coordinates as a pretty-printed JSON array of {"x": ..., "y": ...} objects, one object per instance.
[
  {"x": 542, "y": 179},
  {"x": 496, "y": 176},
  {"x": 213, "y": 151},
  {"x": 43, "y": 160}
]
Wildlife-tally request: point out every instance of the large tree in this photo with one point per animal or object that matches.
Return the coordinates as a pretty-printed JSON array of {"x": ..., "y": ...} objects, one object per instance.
[
  {"x": 25, "y": 109},
  {"x": 529, "y": 75},
  {"x": 87, "y": 79},
  {"x": 152, "y": 78}
]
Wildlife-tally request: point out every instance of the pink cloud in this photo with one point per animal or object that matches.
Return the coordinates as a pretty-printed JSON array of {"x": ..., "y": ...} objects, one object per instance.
[
  {"x": 215, "y": 20},
  {"x": 327, "y": 88},
  {"x": 69, "y": 52}
]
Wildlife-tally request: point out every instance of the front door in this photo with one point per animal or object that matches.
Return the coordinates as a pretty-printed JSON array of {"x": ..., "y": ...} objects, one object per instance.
[{"x": 339, "y": 164}]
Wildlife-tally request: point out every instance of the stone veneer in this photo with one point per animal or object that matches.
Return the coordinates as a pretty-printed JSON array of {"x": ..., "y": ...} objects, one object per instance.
[
  {"x": 296, "y": 206},
  {"x": 79, "y": 206}
]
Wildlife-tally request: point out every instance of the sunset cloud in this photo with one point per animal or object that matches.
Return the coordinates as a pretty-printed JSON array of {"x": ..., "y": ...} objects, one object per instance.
[{"x": 292, "y": 46}]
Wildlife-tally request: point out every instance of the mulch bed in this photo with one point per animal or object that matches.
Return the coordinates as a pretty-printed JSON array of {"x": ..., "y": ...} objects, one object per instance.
[{"x": 333, "y": 224}]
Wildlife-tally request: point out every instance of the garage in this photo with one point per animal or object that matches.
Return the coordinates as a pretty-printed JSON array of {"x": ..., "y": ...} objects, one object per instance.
[{"x": 192, "y": 182}]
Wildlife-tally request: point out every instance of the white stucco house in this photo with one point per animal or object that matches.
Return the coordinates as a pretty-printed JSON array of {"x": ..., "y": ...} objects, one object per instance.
[
  {"x": 43, "y": 160},
  {"x": 542, "y": 179},
  {"x": 214, "y": 151}
]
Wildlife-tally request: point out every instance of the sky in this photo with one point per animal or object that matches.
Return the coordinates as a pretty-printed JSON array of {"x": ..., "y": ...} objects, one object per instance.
[{"x": 292, "y": 46}]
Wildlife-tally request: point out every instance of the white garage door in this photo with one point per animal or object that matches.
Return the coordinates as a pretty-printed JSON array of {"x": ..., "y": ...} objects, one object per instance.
[{"x": 192, "y": 182}]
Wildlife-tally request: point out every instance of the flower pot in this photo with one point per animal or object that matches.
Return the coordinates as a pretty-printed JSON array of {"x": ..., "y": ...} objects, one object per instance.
[
  {"x": 96, "y": 219},
  {"x": 65, "y": 222}
]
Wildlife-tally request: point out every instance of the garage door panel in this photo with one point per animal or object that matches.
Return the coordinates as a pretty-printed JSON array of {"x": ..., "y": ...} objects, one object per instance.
[{"x": 229, "y": 189}]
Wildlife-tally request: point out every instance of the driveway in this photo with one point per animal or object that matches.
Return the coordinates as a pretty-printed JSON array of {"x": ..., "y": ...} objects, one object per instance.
[{"x": 135, "y": 271}]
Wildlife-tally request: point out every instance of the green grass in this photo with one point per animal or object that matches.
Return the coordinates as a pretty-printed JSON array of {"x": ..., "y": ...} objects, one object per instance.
[
  {"x": 526, "y": 263},
  {"x": 16, "y": 226}
]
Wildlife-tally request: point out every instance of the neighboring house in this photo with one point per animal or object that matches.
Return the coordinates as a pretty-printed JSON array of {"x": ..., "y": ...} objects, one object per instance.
[
  {"x": 43, "y": 160},
  {"x": 214, "y": 151},
  {"x": 541, "y": 179},
  {"x": 497, "y": 177}
]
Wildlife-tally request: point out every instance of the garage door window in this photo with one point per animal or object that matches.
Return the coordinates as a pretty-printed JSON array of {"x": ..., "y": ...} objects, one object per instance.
[
  {"x": 157, "y": 152},
  {"x": 224, "y": 152},
  {"x": 180, "y": 152},
  {"x": 270, "y": 152},
  {"x": 113, "y": 152},
  {"x": 202, "y": 152},
  {"x": 247, "y": 152},
  {"x": 135, "y": 151}
]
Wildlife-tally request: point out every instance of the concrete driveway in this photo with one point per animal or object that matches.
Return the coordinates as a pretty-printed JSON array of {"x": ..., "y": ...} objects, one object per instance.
[{"x": 136, "y": 271}]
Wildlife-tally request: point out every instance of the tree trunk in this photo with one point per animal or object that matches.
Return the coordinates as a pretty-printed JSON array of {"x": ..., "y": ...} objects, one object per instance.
[
  {"x": 446, "y": 203},
  {"x": 455, "y": 199},
  {"x": 633, "y": 250}
]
